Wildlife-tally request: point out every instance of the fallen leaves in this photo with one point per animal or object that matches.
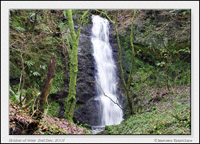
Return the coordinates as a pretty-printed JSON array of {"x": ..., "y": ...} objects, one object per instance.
[
  {"x": 21, "y": 122},
  {"x": 59, "y": 126}
]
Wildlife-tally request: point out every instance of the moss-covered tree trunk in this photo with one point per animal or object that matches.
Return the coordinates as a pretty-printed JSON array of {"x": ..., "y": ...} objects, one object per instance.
[
  {"x": 47, "y": 86},
  {"x": 71, "y": 99}
]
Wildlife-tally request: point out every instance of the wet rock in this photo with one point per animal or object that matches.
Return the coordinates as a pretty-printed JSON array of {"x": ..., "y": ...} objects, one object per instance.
[
  {"x": 85, "y": 90},
  {"x": 88, "y": 114},
  {"x": 114, "y": 45}
]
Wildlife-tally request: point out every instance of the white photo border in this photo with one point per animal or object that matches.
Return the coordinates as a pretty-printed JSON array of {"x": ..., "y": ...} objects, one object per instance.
[{"x": 7, "y": 5}]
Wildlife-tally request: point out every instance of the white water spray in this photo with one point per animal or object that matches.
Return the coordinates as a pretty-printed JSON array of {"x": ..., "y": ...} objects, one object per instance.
[{"x": 109, "y": 113}]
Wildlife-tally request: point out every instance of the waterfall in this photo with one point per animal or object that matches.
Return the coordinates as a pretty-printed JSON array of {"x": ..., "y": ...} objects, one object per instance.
[{"x": 106, "y": 83}]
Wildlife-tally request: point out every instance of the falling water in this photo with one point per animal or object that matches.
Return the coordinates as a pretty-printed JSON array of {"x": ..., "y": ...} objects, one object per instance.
[{"x": 106, "y": 83}]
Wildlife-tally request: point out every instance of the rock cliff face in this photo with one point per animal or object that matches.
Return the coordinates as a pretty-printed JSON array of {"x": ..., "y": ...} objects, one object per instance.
[
  {"x": 85, "y": 79},
  {"x": 86, "y": 69}
]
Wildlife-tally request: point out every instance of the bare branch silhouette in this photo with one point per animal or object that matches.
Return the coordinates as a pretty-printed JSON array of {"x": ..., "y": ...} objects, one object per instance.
[{"x": 107, "y": 95}]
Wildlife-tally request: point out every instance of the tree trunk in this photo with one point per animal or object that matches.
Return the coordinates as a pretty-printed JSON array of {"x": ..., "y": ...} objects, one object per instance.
[
  {"x": 126, "y": 85},
  {"x": 47, "y": 87},
  {"x": 71, "y": 99}
]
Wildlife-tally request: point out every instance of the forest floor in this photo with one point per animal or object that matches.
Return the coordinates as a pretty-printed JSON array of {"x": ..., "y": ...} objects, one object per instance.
[
  {"x": 169, "y": 114},
  {"x": 21, "y": 122},
  {"x": 163, "y": 113}
]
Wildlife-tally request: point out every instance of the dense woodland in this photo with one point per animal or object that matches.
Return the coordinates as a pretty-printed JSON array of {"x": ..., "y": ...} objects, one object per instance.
[{"x": 153, "y": 55}]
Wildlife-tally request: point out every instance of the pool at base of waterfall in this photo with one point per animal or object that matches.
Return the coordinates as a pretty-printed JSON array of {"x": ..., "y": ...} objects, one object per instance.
[{"x": 97, "y": 129}]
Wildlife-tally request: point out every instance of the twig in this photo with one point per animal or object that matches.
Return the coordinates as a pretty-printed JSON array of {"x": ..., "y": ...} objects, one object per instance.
[
  {"x": 107, "y": 95},
  {"x": 14, "y": 42},
  {"x": 35, "y": 101}
]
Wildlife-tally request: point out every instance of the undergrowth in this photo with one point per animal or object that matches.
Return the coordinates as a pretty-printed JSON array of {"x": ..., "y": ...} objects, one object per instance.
[{"x": 164, "y": 117}]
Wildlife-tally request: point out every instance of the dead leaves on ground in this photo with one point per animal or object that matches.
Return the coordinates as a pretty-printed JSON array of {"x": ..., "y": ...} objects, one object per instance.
[
  {"x": 21, "y": 122},
  {"x": 52, "y": 125}
]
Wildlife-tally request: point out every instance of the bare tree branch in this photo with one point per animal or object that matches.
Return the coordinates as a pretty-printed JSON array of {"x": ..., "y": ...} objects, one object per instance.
[{"x": 107, "y": 95}]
